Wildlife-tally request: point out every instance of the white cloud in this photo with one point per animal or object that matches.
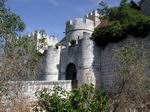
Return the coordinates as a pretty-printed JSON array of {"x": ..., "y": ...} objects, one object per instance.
[{"x": 96, "y": 1}]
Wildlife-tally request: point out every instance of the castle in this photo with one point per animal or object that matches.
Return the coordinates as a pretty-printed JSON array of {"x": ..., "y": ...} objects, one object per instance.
[
  {"x": 76, "y": 56},
  {"x": 76, "y": 59}
]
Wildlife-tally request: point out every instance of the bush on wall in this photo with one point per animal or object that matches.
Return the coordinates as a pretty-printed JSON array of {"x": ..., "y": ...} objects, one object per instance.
[{"x": 124, "y": 20}]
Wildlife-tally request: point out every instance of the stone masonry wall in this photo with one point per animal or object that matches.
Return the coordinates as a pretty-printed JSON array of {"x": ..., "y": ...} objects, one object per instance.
[
  {"x": 86, "y": 57},
  {"x": 108, "y": 63},
  {"x": 68, "y": 55},
  {"x": 30, "y": 87},
  {"x": 27, "y": 89},
  {"x": 89, "y": 62},
  {"x": 145, "y": 5},
  {"x": 24, "y": 92}
]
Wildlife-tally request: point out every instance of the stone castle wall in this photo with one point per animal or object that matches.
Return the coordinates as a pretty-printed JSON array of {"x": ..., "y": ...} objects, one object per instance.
[
  {"x": 25, "y": 92},
  {"x": 68, "y": 55},
  {"x": 85, "y": 56},
  {"x": 108, "y": 65},
  {"x": 145, "y": 5},
  {"x": 94, "y": 65},
  {"x": 30, "y": 87}
]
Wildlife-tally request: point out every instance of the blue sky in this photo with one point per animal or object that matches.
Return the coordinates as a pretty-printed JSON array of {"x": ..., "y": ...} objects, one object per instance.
[{"x": 51, "y": 15}]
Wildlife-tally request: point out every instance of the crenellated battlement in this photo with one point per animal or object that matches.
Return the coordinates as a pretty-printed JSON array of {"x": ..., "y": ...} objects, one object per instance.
[
  {"x": 79, "y": 24},
  {"x": 93, "y": 13},
  {"x": 94, "y": 16},
  {"x": 52, "y": 40},
  {"x": 70, "y": 22},
  {"x": 75, "y": 28},
  {"x": 43, "y": 40},
  {"x": 79, "y": 21}
]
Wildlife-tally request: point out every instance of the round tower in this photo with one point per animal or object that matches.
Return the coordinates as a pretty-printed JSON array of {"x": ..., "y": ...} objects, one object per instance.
[
  {"x": 75, "y": 29},
  {"x": 89, "y": 62},
  {"x": 51, "y": 68}
]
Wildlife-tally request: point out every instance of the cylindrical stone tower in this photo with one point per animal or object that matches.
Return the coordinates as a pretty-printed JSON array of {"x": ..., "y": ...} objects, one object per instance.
[
  {"x": 89, "y": 62},
  {"x": 75, "y": 29},
  {"x": 51, "y": 68}
]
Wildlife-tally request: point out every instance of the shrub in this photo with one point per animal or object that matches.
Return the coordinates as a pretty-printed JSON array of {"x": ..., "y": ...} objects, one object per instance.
[
  {"x": 132, "y": 82},
  {"x": 83, "y": 99}
]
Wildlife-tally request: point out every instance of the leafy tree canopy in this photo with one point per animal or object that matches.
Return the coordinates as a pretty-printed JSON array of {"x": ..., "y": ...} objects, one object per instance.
[
  {"x": 127, "y": 19},
  {"x": 10, "y": 23},
  {"x": 20, "y": 59}
]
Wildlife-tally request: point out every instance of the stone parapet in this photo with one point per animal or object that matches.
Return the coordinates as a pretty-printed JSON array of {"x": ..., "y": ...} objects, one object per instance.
[
  {"x": 29, "y": 88},
  {"x": 79, "y": 24}
]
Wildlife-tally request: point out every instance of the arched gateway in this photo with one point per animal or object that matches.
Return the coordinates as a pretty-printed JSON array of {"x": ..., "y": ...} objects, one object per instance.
[{"x": 71, "y": 74}]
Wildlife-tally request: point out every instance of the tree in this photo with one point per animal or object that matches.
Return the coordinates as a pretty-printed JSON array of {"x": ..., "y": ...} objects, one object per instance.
[
  {"x": 104, "y": 9},
  {"x": 122, "y": 21},
  {"x": 20, "y": 60},
  {"x": 123, "y": 2},
  {"x": 132, "y": 83},
  {"x": 10, "y": 23}
]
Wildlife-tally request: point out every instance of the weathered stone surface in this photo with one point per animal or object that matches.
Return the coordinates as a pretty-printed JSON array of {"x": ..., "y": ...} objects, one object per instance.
[
  {"x": 28, "y": 88},
  {"x": 51, "y": 65},
  {"x": 145, "y": 5}
]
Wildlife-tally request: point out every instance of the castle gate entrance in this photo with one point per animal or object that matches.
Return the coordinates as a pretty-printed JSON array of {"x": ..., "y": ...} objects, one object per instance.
[{"x": 71, "y": 74}]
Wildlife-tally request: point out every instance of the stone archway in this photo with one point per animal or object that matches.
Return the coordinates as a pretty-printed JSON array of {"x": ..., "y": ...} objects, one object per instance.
[{"x": 71, "y": 74}]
